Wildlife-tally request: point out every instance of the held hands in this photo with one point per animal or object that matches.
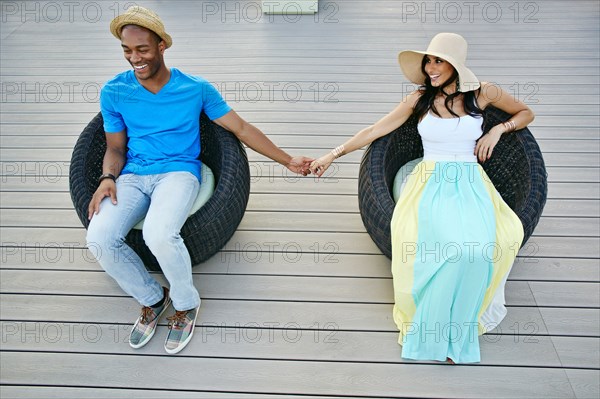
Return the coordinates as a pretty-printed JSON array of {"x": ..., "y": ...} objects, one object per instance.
[
  {"x": 107, "y": 188},
  {"x": 486, "y": 144},
  {"x": 299, "y": 165},
  {"x": 319, "y": 166}
]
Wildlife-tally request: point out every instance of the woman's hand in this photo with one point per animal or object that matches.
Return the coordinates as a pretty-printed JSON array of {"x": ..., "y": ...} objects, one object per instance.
[
  {"x": 319, "y": 166},
  {"x": 486, "y": 144}
]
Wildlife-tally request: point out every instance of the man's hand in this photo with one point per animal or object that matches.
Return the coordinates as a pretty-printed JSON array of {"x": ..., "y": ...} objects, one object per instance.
[
  {"x": 107, "y": 188},
  {"x": 300, "y": 165}
]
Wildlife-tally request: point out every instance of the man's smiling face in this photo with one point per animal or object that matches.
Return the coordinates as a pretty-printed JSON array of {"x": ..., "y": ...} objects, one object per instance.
[{"x": 143, "y": 49}]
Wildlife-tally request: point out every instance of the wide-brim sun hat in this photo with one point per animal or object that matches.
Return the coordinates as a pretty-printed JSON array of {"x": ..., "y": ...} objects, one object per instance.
[
  {"x": 143, "y": 17},
  {"x": 450, "y": 47}
]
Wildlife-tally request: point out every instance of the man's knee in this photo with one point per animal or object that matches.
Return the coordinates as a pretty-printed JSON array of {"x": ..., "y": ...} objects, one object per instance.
[
  {"x": 159, "y": 237},
  {"x": 102, "y": 238}
]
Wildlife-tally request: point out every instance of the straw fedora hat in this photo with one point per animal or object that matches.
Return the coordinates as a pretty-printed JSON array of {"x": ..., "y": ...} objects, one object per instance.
[
  {"x": 447, "y": 46},
  {"x": 143, "y": 17}
]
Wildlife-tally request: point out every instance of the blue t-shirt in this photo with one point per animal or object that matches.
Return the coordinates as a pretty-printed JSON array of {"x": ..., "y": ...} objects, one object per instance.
[{"x": 163, "y": 129}]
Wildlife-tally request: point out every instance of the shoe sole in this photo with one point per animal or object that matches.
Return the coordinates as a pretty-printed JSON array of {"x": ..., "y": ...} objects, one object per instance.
[
  {"x": 143, "y": 343},
  {"x": 184, "y": 343}
]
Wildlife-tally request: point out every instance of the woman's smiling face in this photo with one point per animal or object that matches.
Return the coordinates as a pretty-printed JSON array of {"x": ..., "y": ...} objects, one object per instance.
[{"x": 438, "y": 70}]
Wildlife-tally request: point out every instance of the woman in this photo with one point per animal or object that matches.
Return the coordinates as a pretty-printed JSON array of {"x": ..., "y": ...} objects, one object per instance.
[{"x": 453, "y": 237}]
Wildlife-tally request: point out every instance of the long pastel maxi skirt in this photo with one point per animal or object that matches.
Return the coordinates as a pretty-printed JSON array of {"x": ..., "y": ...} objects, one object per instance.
[{"x": 454, "y": 241}]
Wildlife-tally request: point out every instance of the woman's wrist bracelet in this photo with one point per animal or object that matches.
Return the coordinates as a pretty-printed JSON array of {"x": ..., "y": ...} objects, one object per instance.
[
  {"x": 509, "y": 126},
  {"x": 338, "y": 151}
]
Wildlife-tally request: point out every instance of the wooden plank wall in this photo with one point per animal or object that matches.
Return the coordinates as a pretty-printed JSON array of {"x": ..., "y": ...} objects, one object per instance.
[{"x": 299, "y": 301}]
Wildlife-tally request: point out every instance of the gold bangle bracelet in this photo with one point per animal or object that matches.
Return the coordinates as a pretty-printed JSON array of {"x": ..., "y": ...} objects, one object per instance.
[
  {"x": 337, "y": 151},
  {"x": 509, "y": 125}
]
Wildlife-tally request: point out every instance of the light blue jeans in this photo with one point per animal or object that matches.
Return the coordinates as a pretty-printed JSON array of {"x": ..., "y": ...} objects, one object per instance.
[{"x": 165, "y": 200}]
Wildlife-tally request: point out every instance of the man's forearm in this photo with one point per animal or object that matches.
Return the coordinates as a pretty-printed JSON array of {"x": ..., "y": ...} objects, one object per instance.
[
  {"x": 113, "y": 162},
  {"x": 259, "y": 142}
]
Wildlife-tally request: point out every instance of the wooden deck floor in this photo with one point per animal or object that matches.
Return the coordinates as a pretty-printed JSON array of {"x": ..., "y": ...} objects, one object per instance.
[{"x": 298, "y": 304}]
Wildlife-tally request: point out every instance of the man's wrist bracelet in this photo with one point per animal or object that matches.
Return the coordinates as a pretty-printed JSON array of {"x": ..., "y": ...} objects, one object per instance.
[{"x": 106, "y": 176}]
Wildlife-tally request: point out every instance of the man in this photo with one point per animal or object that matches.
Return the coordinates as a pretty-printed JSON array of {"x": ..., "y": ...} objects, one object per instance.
[{"x": 151, "y": 119}]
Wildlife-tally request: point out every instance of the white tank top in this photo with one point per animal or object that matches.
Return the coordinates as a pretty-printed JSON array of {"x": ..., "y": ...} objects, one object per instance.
[{"x": 450, "y": 139}]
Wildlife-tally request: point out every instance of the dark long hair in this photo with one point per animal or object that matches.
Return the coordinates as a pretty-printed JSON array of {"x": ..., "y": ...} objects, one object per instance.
[{"x": 429, "y": 93}]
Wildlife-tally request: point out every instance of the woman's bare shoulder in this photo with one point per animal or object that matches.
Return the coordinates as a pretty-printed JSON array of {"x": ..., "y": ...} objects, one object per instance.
[
  {"x": 412, "y": 98},
  {"x": 487, "y": 93}
]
